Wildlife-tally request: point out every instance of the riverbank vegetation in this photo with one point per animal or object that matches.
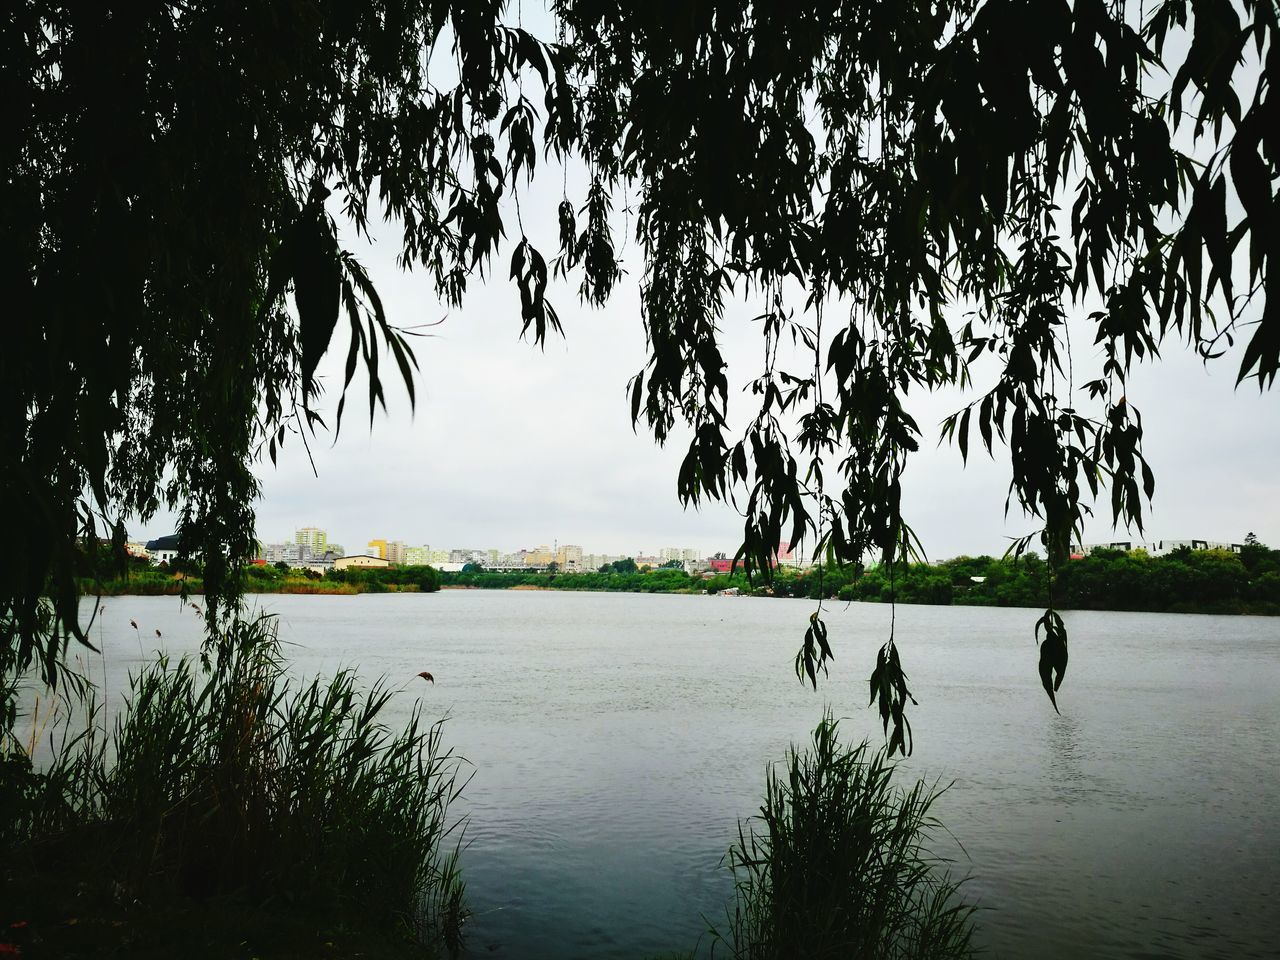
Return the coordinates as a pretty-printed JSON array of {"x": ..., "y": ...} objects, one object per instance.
[
  {"x": 256, "y": 578},
  {"x": 227, "y": 801},
  {"x": 641, "y": 581},
  {"x": 837, "y": 864},
  {"x": 1184, "y": 581}
]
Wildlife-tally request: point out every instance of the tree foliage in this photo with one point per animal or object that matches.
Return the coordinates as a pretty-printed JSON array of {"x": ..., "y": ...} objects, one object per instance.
[{"x": 936, "y": 182}]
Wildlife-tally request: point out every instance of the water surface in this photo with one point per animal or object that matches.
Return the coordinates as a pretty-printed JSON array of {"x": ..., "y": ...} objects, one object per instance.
[{"x": 617, "y": 739}]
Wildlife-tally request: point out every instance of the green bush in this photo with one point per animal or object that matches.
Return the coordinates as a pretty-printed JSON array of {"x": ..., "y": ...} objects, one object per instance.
[
  {"x": 424, "y": 578},
  {"x": 228, "y": 780}
]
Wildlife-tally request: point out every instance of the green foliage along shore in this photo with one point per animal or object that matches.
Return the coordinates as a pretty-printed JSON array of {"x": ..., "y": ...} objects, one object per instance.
[
  {"x": 1186, "y": 581},
  {"x": 837, "y": 865},
  {"x": 229, "y": 811},
  {"x": 162, "y": 581},
  {"x": 647, "y": 581}
]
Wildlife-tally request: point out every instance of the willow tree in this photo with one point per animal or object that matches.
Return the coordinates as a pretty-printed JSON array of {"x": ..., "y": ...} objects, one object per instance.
[{"x": 934, "y": 182}]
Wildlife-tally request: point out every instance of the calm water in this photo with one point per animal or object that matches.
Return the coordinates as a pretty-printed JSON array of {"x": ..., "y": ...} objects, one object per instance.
[{"x": 616, "y": 740}]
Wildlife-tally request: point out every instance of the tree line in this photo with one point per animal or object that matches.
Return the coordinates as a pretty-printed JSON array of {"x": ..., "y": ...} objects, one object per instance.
[
  {"x": 100, "y": 572},
  {"x": 1184, "y": 581}
]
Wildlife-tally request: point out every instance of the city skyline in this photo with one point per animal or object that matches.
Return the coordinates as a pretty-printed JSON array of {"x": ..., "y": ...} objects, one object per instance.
[
  {"x": 402, "y": 552},
  {"x": 317, "y": 542}
]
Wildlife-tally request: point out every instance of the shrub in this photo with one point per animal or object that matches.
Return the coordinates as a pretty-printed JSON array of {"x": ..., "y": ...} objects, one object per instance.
[
  {"x": 836, "y": 865},
  {"x": 227, "y": 780}
]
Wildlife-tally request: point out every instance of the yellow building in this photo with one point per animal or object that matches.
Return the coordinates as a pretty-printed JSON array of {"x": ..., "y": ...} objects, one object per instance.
[
  {"x": 378, "y": 548},
  {"x": 343, "y": 563},
  {"x": 539, "y": 557}
]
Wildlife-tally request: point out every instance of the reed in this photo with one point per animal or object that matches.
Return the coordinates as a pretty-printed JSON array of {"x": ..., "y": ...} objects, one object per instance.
[
  {"x": 837, "y": 865},
  {"x": 227, "y": 780},
  {"x": 314, "y": 588}
]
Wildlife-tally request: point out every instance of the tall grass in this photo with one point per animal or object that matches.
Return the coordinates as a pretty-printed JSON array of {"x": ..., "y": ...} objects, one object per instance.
[
  {"x": 228, "y": 780},
  {"x": 837, "y": 866}
]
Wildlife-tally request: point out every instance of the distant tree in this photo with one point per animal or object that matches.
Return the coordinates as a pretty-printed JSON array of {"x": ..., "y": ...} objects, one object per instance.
[
  {"x": 672, "y": 565},
  {"x": 553, "y": 567},
  {"x": 625, "y": 565},
  {"x": 1251, "y": 539},
  {"x": 281, "y": 566},
  {"x": 934, "y": 182},
  {"x": 1258, "y": 558},
  {"x": 472, "y": 567}
]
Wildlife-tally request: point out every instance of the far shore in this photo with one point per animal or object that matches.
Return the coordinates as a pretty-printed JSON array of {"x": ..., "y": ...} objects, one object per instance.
[{"x": 1182, "y": 582}]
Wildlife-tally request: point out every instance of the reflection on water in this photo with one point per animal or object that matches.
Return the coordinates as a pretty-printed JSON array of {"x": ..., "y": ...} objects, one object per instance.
[
  {"x": 617, "y": 739},
  {"x": 1066, "y": 771}
]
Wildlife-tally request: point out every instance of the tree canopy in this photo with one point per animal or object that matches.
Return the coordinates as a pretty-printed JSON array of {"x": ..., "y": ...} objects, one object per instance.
[{"x": 908, "y": 187}]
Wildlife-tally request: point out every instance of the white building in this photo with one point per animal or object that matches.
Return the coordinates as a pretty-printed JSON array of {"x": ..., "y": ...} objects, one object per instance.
[
  {"x": 417, "y": 556},
  {"x": 594, "y": 561},
  {"x": 1155, "y": 548},
  {"x": 163, "y": 549},
  {"x": 294, "y": 554},
  {"x": 679, "y": 553}
]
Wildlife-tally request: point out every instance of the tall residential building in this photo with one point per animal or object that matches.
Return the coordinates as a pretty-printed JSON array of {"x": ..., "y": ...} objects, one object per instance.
[
  {"x": 667, "y": 554},
  {"x": 377, "y": 548},
  {"x": 417, "y": 556},
  {"x": 569, "y": 556},
  {"x": 396, "y": 552},
  {"x": 313, "y": 538}
]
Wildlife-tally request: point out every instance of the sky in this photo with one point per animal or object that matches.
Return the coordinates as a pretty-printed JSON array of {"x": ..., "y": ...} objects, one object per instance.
[{"x": 513, "y": 446}]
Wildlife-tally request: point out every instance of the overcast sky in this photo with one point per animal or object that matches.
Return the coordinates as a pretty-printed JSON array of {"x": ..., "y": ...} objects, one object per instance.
[{"x": 512, "y": 446}]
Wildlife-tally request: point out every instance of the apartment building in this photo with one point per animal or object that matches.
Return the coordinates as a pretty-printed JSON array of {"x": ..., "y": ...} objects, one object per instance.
[{"x": 313, "y": 538}]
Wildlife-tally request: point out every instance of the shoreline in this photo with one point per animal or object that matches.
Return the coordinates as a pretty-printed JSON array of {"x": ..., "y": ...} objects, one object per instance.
[{"x": 350, "y": 590}]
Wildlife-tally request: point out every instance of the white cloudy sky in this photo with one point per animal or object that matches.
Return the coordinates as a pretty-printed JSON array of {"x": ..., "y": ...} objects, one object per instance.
[{"x": 513, "y": 446}]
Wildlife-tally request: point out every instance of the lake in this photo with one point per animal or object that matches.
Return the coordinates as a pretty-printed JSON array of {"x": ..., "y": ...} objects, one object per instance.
[{"x": 616, "y": 740}]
